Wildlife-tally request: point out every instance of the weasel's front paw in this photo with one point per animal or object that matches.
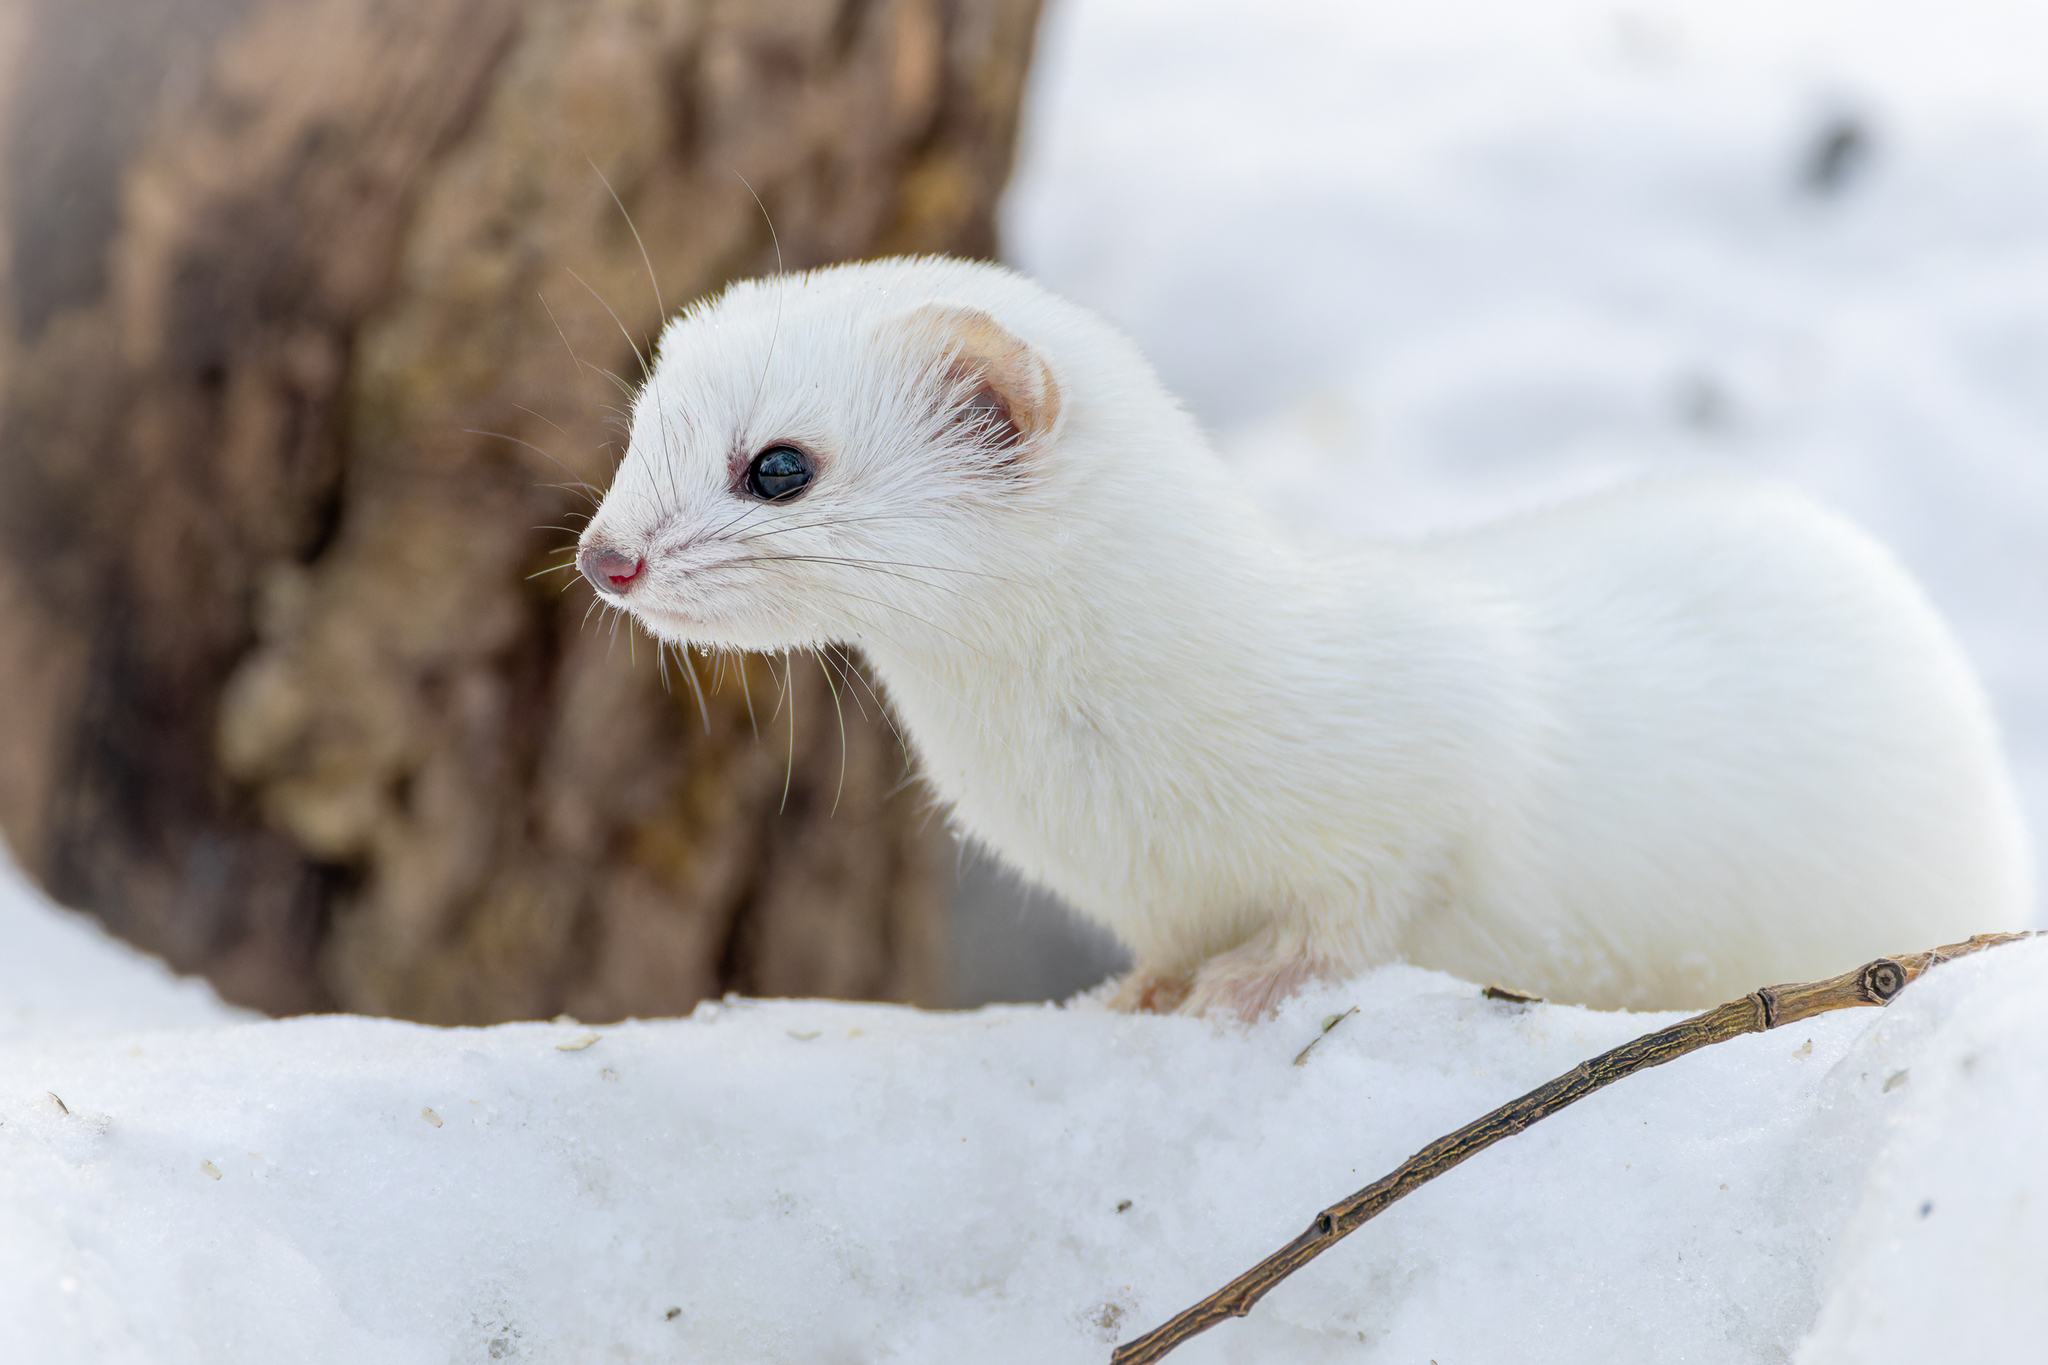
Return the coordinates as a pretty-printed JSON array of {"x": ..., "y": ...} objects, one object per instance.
[
  {"x": 1144, "y": 991},
  {"x": 1252, "y": 979}
]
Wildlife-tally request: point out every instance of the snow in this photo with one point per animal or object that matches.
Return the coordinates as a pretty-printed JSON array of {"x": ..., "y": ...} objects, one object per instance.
[
  {"x": 812, "y": 1181},
  {"x": 64, "y": 977},
  {"x": 1416, "y": 265},
  {"x": 1946, "y": 1256}
]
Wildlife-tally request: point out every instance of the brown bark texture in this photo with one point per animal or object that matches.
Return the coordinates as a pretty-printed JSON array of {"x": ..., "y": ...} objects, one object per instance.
[{"x": 306, "y": 309}]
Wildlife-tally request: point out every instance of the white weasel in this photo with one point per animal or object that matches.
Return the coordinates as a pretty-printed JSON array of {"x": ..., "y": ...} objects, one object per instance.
[{"x": 1653, "y": 748}]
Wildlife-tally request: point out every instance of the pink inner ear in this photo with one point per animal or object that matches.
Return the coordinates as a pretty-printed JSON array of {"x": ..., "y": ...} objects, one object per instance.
[
  {"x": 987, "y": 414},
  {"x": 1009, "y": 397}
]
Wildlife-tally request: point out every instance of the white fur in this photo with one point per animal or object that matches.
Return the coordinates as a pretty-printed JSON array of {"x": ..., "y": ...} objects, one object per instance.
[{"x": 1654, "y": 748}]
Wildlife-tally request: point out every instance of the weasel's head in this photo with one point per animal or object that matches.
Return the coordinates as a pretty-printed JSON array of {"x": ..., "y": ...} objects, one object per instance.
[{"x": 858, "y": 453}]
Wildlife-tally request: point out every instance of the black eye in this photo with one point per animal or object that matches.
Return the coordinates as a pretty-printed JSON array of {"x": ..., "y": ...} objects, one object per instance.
[{"x": 779, "y": 473}]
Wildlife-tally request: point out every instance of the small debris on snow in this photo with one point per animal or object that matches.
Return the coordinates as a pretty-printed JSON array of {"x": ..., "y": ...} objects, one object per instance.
[{"x": 1301, "y": 1058}]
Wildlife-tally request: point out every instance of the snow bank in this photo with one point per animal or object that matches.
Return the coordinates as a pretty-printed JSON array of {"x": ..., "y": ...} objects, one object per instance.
[
  {"x": 812, "y": 1182},
  {"x": 1946, "y": 1256},
  {"x": 62, "y": 976}
]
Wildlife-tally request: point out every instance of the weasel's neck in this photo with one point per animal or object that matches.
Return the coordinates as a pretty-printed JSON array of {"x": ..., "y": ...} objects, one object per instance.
[{"x": 1152, "y": 630}]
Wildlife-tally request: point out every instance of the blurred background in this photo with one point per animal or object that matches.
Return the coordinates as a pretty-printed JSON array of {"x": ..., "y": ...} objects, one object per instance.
[{"x": 316, "y": 309}]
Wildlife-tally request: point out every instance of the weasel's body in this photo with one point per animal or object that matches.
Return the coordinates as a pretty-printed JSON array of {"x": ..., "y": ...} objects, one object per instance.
[{"x": 1654, "y": 748}]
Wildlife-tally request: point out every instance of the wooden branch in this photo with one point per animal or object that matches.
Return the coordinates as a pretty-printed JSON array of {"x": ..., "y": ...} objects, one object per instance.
[{"x": 1874, "y": 983}]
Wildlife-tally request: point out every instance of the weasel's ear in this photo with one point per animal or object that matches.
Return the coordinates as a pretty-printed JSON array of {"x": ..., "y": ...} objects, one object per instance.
[{"x": 1009, "y": 391}]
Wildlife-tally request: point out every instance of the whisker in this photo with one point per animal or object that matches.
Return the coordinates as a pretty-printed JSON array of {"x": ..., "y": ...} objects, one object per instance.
[
  {"x": 740, "y": 667},
  {"x": 588, "y": 490},
  {"x": 690, "y": 672},
  {"x": 859, "y": 675},
  {"x": 927, "y": 622},
  {"x": 618, "y": 383},
  {"x": 789, "y": 768},
  {"x": 660, "y": 307},
  {"x": 888, "y": 563},
  {"x": 875, "y": 601},
  {"x": 838, "y": 711},
  {"x": 775, "y": 333},
  {"x": 644, "y": 370},
  {"x": 836, "y": 657},
  {"x": 672, "y": 463},
  {"x": 871, "y": 567},
  {"x": 782, "y": 688},
  {"x": 719, "y": 532},
  {"x": 903, "y": 657},
  {"x": 576, "y": 360},
  {"x": 539, "y": 417},
  {"x": 822, "y": 523}
]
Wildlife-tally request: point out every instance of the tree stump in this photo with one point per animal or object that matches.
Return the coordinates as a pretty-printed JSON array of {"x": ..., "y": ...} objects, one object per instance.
[{"x": 313, "y": 308}]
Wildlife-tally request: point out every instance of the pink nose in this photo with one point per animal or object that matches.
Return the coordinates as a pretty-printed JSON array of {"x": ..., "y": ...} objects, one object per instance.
[{"x": 609, "y": 570}]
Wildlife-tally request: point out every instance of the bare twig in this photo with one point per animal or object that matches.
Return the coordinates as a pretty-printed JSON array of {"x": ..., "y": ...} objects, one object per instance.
[
  {"x": 1874, "y": 983},
  {"x": 1301, "y": 1059}
]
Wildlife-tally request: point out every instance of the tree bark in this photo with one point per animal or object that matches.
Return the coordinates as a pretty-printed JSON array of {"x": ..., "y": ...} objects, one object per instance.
[{"x": 309, "y": 307}]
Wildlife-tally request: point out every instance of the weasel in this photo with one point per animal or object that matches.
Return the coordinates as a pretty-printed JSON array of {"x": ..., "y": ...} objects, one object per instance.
[{"x": 1654, "y": 748}]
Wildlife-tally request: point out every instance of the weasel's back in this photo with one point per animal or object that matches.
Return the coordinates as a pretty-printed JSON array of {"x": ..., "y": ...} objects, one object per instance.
[{"x": 1761, "y": 746}]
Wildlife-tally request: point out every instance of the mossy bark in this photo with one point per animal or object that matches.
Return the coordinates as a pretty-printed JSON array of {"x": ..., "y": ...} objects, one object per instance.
[{"x": 311, "y": 308}]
